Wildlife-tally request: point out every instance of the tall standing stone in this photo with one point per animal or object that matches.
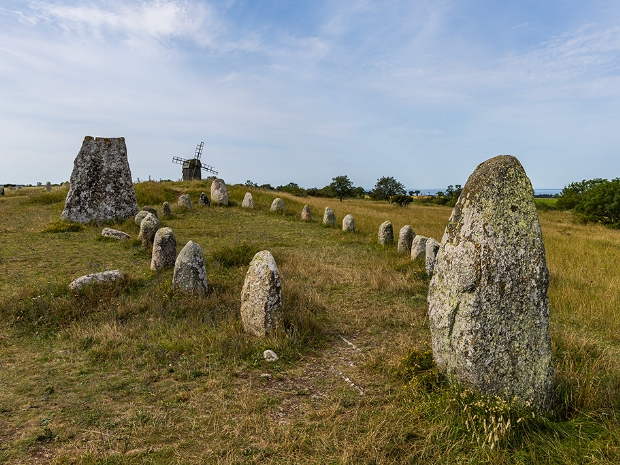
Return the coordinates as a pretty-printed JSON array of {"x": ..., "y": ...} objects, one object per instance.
[
  {"x": 348, "y": 223},
  {"x": 488, "y": 304},
  {"x": 306, "y": 213},
  {"x": 190, "y": 273},
  {"x": 48, "y": 186},
  {"x": 329, "y": 219},
  {"x": 418, "y": 247},
  {"x": 261, "y": 296},
  {"x": 248, "y": 201},
  {"x": 277, "y": 205},
  {"x": 148, "y": 227},
  {"x": 432, "y": 248},
  {"x": 164, "y": 249},
  {"x": 101, "y": 186},
  {"x": 405, "y": 239},
  {"x": 386, "y": 233},
  {"x": 219, "y": 193}
]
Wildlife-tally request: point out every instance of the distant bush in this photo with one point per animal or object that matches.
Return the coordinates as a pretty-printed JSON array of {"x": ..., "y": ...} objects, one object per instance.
[
  {"x": 571, "y": 194},
  {"x": 601, "y": 204}
]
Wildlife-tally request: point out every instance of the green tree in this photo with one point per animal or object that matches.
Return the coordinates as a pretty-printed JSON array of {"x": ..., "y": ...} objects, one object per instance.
[
  {"x": 386, "y": 188},
  {"x": 601, "y": 203},
  {"x": 342, "y": 187},
  {"x": 402, "y": 200},
  {"x": 571, "y": 194}
]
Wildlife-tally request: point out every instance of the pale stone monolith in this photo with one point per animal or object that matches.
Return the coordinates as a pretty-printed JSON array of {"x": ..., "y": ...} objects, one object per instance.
[
  {"x": 329, "y": 219},
  {"x": 488, "y": 303},
  {"x": 261, "y": 296},
  {"x": 101, "y": 185},
  {"x": 164, "y": 249},
  {"x": 348, "y": 223},
  {"x": 306, "y": 213},
  {"x": 386, "y": 233},
  {"x": 418, "y": 247},
  {"x": 190, "y": 273},
  {"x": 432, "y": 247},
  {"x": 248, "y": 201},
  {"x": 148, "y": 227},
  {"x": 166, "y": 209},
  {"x": 48, "y": 186},
  {"x": 277, "y": 205},
  {"x": 101, "y": 277},
  {"x": 405, "y": 239},
  {"x": 219, "y": 193},
  {"x": 115, "y": 234},
  {"x": 185, "y": 201}
]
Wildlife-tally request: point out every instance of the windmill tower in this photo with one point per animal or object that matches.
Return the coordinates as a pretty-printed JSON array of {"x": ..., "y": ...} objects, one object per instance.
[{"x": 192, "y": 167}]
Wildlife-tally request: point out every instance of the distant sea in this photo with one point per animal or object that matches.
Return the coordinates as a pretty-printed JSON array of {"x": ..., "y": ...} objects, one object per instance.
[{"x": 536, "y": 191}]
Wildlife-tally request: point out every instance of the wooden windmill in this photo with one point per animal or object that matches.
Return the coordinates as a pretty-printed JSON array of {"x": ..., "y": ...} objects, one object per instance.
[{"x": 192, "y": 167}]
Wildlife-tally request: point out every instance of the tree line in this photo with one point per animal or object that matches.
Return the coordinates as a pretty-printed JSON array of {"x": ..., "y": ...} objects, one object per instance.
[{"x": 594, "y": 200}]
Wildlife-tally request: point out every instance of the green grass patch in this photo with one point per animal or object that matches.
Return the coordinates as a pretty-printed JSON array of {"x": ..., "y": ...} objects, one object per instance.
[{"x": 62, "y": 226}]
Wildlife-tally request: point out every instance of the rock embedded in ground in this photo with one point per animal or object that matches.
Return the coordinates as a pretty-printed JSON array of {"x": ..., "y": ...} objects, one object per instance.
[
  {"x": 248, "y": 201},
  {"x": 115, "y": 234},
  {"x": 261, "y": 296},
  {"x": 101, "y": 185},
  {"x": 151, "y": 210},
  {"x": 329, "y": 218},
  {"x": 190, "y": 273},
  {"x": 185, "y": 201},
  {"x": 386, "y": 233},
  {"x": 140, "y": 216},
  {"x": 219, "y": 193},
  {"x": 277, "y": 205},
  {"x": 102, "y": 277},
  {"x": 270, "y": 355},
  {"x": 488, "y": 302},
  {"x": 306, "y": 213},
  {"x": 405, "y": 239},
  {"x": 418, "y": 247},
  {"x": 430, "y": 254},
  {"x": 348, "y": 223},
  {"x": 148, "y": 227},
  {"x": 164, "y": 249},
  {"x": 204, "y": 200},
  {"x": 166, "y": 209}
]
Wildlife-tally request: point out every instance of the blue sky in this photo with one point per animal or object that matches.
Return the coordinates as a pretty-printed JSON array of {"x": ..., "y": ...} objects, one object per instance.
[{"x": 302, "y": 91}]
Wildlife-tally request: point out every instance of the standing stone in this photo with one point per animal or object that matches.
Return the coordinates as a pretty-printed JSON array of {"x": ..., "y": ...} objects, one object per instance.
[
  {"x": 164, "y": 249},
  {"x": 432, "y": 247},
  {"x": 151, "y": 210},
  {"x": 166, "y": 209},
  {"x": 185, "y": 201},
  {"x": 204, "y": 200},
  {"x": 261, "y": 296},
  {"x": 190, "y": 274},
  {"x": 101, "y": 186},
  {"x": 1, "y": 190},
  {"x": 329, "y": 219},
  {"x": 219, "y": 193},
  {"x": 248, "y": 201},
  {"x": 148, "y": 227},
  {"x": 277, "y": 205},
  {"x": 488, "y": 303},
  {"x": 386, "y": 233},
  {"x": 140, "y": 216},
  {"x": 405, "y": 239},
  {"x": 348, "y": 223},
  {"x": 418, "y": 247},
  {"x": 306, "y": 213},
  {"x": 48, "y": 186},
  {"x": 115, "y": 234}
]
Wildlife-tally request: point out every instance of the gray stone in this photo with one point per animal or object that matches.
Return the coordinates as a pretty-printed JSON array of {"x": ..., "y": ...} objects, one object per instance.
[
  {"x": 190, "y": 273},
  {"x": 148, "y": 227},
  {"x": 270, "y": 355},
  {"x": 348, "y": 223},
  {"x": 101, "y": 185},
  {"x": 488, "y": 303},
  {"x": 219, "y": 193},
  {"x": 115, "y": 233},
  {"x": 405, "y": 239},
  {"x": 140, "y": 216},
  {"x": 102, "y": 277},
  {"x": 329, "y": 219},
  {"x": 166, "y": 209},
  {"x": 164, "y": 249},
  {"x": 151, "y": 210},
  {"x": 418, "y": 247},
  {"x": 248, "y": 201},
  {"x": 185, "y": 201},
  {"x": 1, "y": 190},
  {"x": 386, "y": 233},
  {"x": 277, "y": 205},
  {"x": 48, "y": 186},
  {"x": 261, "y": 296},
  {"x": 204, "y": 200},
  {"x": 306, "y": 213},
  {"x": 432, "y": 247}
]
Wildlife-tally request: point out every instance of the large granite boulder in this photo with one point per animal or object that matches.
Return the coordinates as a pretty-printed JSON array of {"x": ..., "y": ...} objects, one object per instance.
[
  {"x": 219, "y": 193},
  {"x": 164, "y": 249},
  {"x": 348, "y": 223},
  {"x": 190, "y": 273},
  {"x": 148, "y": 227},
  {"x": 277, "y": 205},
  {"x": 101, "y": 186},
  {"x": 405, "y": 239},
  {"x": 306, "y": 213},
  {"x": 248, "y": 201},
  {"x": 329, "y": 218},
  {"x": 386, "y": 233},
  {"x": 488, "y": 304},
  {"x": 261, "y": 296},
  {"x": 96, "y": 278},
  {"x": 418, "y": 247}
]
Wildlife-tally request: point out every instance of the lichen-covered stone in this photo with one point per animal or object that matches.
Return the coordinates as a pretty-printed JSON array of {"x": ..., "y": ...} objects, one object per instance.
[
  {"x": 261, "y": 296},
  {"x": 151, "y": 210},
  {"x": 277, "y": 205},
  {"x": 432, "y": 247},
  {"x": 248, "y": 201},
  {"x": 219, "y": 193},
  {"x": 348, "y": 223},
  {"x": 306, "y": 213},
  {"x": 418, "y": 247},
  {"x": 405, "y": 239},
  {"x": 166, "y": 209},
  {"x": 101, "y": 185},
  {"x": 140, "y": 216},
  {"x": 386, "y": 233},
  {"x": 102, "y": 277},
  {"x": 204, "y": 200},
  {"x": 488, "y": 303},
  {"x": 115, "y": 234},
  {"x": 190, "y": 273},
  {"x": 185, "y": 201},
  {"x": 164, "y": 249},
  {"x": 148, "y": 227},
  {"x": 329, "y": 218}
]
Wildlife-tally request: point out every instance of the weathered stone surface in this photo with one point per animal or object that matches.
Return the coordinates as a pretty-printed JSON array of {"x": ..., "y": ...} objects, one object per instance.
[
  {"x": 166, "y": 209},
  {"x": 348, "y": 223},
  {"x": 101, "y": 185},
  {"x": 190, "y": 273},
  {"x": 306, "y": 213},
  {"x": 329, "y": 219},
  {"x": 148, "y": 227},
  {"x": 488, "y": 304},
  {"x": 386, "y": 233},
  {"x": 277, "y": 205},
  {"x": 418, "y": 247},
  {"x": 1, "y": 190},
  {"x": 204, "y": 200},
  {"x": 48, "y": 186},
  {"x": 151, "y": 210},
  {"x": 219, "y": 193},
  {"x": 115, "y": 233},
  {"x": 261, "y": 296},
  {"x": 185, "y": 201},
  {"x": 140, "y": 216},
  {"x": 248, "y": 201},
  {"x": 405, "y": 239},
  {"x": 432, "y": 247},
  {"x": 164, "y": 249},
  {"x": 102, "y": 277},
  {"x": 270, "y": 355}
]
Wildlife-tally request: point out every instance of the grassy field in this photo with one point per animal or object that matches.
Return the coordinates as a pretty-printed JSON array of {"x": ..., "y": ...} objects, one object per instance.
[{"x": 135, "y": 373}]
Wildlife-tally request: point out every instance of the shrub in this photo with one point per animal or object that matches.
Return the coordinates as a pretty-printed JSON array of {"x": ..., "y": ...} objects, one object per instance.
[{"x": 601, "y": 203}]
